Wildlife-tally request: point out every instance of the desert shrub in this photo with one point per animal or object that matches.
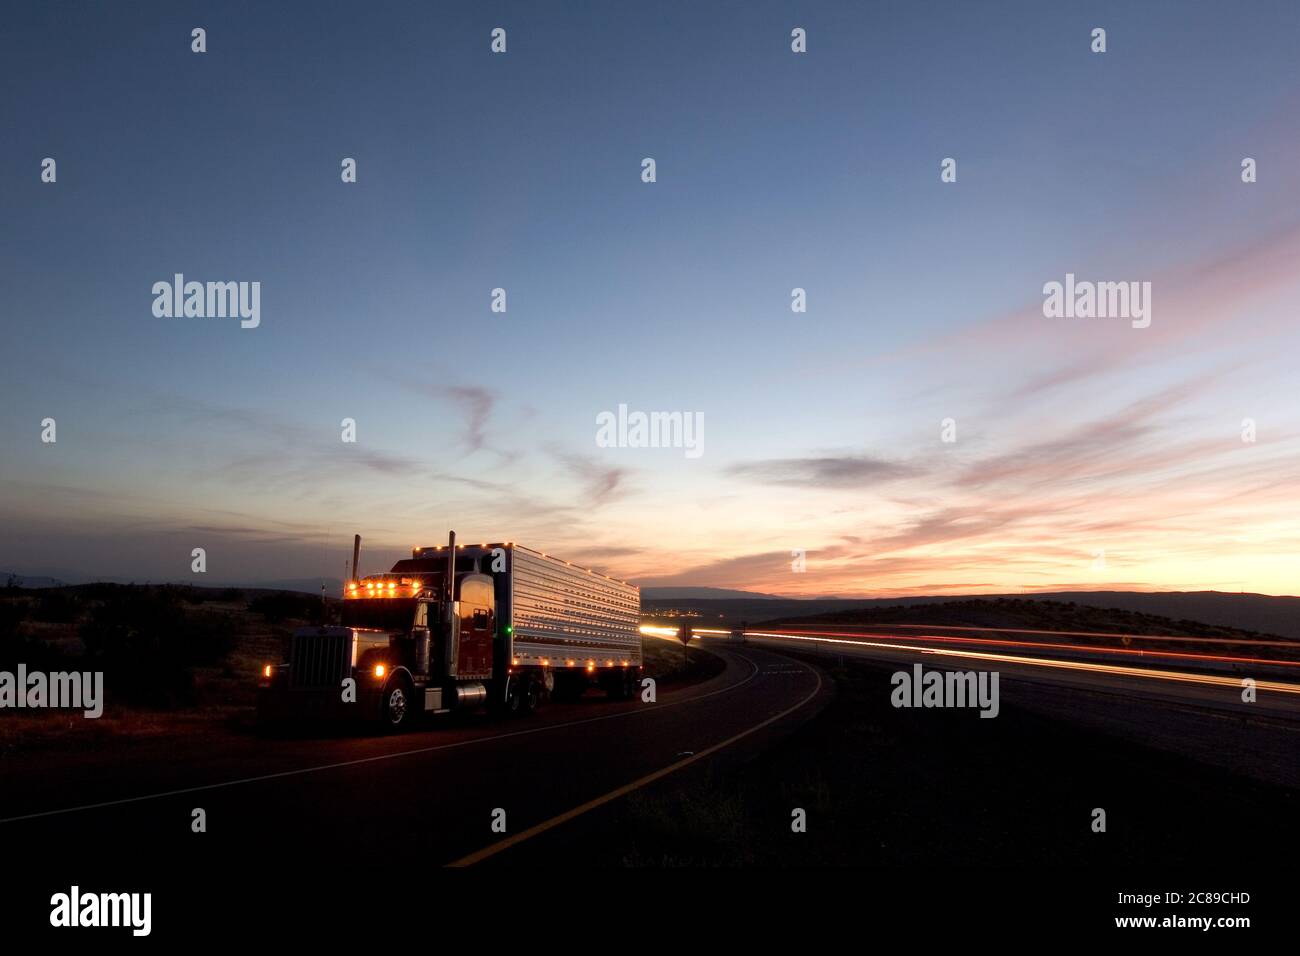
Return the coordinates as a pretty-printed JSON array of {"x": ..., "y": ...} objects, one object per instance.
[
  {"x": 147, "y": 643},
  {"x": 103, "y": 591},
  {"x": 17, "y": 647},
  {"x": 287, "y": 605},
  {"x": 27, "y": 649},
  {"x": 12, "y": 615},
  {"x": 57, "y": 606}
]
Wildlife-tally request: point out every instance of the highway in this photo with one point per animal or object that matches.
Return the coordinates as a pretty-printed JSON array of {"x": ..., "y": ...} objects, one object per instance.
[
  {"x": 1210, "y": 680},
  {"x": 441, "y": 784},
  {"x": 1169, "y": 701},
  {"x": 305, "y": 803},
  {"x": 310, "y": 814}
]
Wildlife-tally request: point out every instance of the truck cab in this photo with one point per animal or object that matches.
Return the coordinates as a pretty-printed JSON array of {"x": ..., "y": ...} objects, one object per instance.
[{"x": 403, "y": 650}]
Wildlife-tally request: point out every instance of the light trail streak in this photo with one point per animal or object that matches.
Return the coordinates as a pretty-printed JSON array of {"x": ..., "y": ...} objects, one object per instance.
[
  {"x": 1293, "y": 645},
  {"x": 1217, "y": 680},
  {"x": 1048, "y": 645}
]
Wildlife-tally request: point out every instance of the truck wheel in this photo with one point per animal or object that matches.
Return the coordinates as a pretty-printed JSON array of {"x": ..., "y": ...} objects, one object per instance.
[
  {"x": 514, "y": 705},
  {"x": 616, "y": 686},
  {"x": 399, "y": 706},
  {"x": 621, "y": 685},
  {"x": 531, "y": 697}
]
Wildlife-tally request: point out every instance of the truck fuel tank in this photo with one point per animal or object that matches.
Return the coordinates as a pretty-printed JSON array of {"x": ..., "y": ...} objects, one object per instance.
[{"x": 470, "y": 695}]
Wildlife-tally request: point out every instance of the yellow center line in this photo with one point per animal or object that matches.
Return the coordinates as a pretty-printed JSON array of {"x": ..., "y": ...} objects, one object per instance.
[{"x": 624, "y": 790}]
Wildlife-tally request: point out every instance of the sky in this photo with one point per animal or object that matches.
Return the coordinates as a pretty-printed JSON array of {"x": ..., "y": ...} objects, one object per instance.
[{"x": 1088, "y": 453}]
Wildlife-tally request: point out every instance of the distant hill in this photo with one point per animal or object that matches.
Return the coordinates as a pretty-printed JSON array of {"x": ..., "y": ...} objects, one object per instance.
[
  {"x": 1265, "y": 613},
  {"x": 333, "y": 586},
  {"x": 28, "y": 581},
  {"x": 678, "y": 594},
  {"x": 1026, "y": 612},
  {"x": 1262, "y": 613},
  {"x": 312, "y": 586}
]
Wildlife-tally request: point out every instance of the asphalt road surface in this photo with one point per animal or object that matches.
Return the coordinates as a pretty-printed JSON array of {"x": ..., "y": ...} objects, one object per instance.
[
  {"x": 1161, "y": 704},
  {"x": 342, "y": 802},
  {"x": 377, "y": 816}
]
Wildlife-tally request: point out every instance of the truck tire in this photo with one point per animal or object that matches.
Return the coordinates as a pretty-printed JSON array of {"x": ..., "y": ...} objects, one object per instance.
[
  {"x": 621, "y": 685},
  {"x": 397, "y": 710},
  {"x": 616, "y": 686},
  {"x": 531, "y": 697},
  {"x": 514, "y": 703}
]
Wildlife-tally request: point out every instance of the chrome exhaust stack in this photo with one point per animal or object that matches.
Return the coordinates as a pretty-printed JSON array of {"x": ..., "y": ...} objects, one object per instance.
[{"x": 449, "y": 608}]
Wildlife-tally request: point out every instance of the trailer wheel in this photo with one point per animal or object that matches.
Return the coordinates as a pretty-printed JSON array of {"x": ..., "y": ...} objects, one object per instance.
[
  {"x": 620, "y": 685},
  {"x": 616, "y": 686},
  {"x": 399, "y": 706}
]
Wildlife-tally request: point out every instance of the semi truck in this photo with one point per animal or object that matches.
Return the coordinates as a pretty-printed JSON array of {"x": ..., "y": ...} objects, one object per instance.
[{"x": 455, "y": 627}]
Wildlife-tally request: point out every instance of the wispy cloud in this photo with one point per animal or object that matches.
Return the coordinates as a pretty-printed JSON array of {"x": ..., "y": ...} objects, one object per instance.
[
  {"x": 601, "y": 483},
  {"x": 830, "y": 471}
]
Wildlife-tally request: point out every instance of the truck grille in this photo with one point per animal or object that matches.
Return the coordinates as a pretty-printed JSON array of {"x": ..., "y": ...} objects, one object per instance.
[{"x": 320, "y": 660}]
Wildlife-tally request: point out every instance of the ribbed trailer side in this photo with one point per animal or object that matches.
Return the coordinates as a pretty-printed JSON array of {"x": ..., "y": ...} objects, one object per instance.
[{"x": 570, "y": 616}]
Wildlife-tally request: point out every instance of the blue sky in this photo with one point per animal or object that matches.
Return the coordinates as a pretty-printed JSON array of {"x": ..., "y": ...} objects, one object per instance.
[{"x": 775, "y": 170}]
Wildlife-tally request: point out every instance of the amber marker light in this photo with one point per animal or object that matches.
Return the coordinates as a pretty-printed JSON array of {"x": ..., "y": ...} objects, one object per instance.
[{"x": 380, "y": 670}]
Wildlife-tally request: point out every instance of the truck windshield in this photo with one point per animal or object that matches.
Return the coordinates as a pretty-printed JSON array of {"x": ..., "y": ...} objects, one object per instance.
[{"x": 385, "y": 614}]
